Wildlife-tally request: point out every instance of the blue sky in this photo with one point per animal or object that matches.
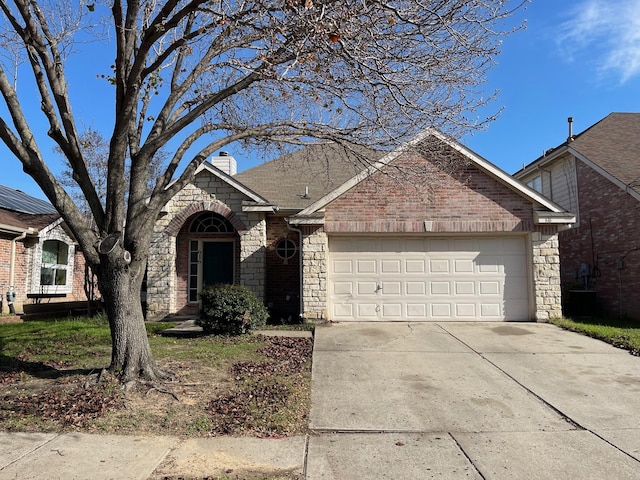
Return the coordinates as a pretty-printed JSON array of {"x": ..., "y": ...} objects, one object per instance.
[{"x": 579, "y": 58}]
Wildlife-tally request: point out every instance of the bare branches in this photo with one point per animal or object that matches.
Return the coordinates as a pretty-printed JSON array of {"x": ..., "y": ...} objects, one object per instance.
[{"x": 262, "y": 72}]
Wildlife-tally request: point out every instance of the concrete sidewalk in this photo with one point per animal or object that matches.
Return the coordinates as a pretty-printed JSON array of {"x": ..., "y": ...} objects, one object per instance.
[
  {"x": 471, "y": 400},
  {"x": 38, "y": 456}
]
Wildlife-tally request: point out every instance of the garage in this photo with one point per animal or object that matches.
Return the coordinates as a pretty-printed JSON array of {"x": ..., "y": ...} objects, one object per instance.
[{"x": 428, "y": 278}]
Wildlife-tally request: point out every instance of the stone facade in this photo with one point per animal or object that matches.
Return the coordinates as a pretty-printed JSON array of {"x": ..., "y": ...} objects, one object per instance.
[
  {"x": 546, "y": 275},
  {"x": 315, "y": 250},
  {"x": 166, "y": 285}
]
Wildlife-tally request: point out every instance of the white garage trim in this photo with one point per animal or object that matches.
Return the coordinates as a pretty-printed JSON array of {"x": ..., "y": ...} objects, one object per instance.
[{"x": 428, "y": 278}]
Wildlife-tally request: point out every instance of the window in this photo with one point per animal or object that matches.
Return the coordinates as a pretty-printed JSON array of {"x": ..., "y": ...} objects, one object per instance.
[
  {"x": 286, "y": 248},
  {"x": 536, "y": 183},
  {"x": 211, "y": 223},
  {"x": 55, "y": 264}
]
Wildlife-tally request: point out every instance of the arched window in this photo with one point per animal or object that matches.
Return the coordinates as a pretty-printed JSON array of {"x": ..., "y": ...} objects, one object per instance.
[{"x": 210, "y": 222}]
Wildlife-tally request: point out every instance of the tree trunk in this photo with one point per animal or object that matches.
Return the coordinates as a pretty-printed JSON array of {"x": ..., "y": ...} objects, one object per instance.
[{"x": 131, "y": 357}]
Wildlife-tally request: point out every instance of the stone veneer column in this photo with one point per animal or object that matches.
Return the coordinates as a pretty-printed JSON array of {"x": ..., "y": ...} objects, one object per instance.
[
  {"x": 253, "y": 254},
  {"x": 546, "y": 276},
  {"x": 315, "y": 250},
  {"x": 161, "y": 272}
]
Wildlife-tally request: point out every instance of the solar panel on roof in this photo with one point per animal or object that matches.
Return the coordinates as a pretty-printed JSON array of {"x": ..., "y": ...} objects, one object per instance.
[{"x": 18, "y": 201}]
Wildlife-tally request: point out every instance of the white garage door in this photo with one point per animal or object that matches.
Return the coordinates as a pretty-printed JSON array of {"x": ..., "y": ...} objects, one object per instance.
[{"x": 422, "y": 279}]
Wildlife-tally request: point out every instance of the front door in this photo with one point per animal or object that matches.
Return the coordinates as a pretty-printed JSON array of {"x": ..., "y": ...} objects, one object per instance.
[{"x": 217, "y": 263}]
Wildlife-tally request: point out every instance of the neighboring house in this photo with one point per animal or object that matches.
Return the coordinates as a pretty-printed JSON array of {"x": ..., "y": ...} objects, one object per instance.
[
  {"x": 430, "y": 231},
  {"x": 596, "y": 175},
  {"x": 37, "y": 255}
]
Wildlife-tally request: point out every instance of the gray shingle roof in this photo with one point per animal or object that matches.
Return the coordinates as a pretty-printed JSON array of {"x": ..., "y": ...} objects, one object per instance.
[
  {"x": 316, "y": 169},
  {"x": 614, "y": 144}
]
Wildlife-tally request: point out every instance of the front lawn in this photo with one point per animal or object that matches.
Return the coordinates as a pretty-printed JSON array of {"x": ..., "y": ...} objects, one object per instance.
[
  {"x": 623, "y": 333},
  {"x": 246, "y": 385}
]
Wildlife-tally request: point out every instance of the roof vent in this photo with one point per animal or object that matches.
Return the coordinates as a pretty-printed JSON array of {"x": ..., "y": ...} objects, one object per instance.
[
  {"x": 225, "y": 162},
  {"x": 570, "y": 121}
]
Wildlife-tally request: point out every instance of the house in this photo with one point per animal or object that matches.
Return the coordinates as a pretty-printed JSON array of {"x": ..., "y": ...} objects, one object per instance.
[
  {"x": 430, "y": 231},
  {"x": 38, "y": 257},
  {"x": 596, "y": 175}
]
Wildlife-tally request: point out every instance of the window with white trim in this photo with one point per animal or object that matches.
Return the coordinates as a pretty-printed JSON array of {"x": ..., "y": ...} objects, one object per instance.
[{"x": 55, "y": 263}]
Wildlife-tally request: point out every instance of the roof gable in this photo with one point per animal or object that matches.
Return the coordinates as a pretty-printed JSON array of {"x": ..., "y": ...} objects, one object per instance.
[
  {"x": 231, "y": 181},
  {"x": 611, "y": 147},
  {"x": 482, "y": 164}
]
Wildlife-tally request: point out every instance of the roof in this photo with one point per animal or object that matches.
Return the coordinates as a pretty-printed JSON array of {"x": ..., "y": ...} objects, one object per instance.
[
  {"x": 296, "y": 180},
  {"x": 19, "y": 201},
  {"x": 614, "y": 144},
  {"x": 20, "y": 212},
  {"x": 611, "y": 146},
  {"x": 550, "y": 213}
]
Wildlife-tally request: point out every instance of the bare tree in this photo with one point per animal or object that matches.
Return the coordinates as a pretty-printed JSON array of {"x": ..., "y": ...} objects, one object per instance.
[{"x": 201, "y": 74}]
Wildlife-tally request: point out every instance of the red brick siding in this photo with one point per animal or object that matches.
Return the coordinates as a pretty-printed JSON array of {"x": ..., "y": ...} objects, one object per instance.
[
  {"x": 20, "y": 267},
  {"x": 463, "y": 200},
  {"x": 282, "y": 290},
  {"x": 608, "y": 232}
]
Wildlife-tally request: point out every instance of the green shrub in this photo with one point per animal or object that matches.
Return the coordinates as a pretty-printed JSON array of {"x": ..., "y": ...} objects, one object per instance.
[{"x": 231, "y": 310}]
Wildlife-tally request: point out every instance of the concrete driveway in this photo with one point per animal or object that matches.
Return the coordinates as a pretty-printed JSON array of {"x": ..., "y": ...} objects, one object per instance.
[{"x": 471, "y": 400}]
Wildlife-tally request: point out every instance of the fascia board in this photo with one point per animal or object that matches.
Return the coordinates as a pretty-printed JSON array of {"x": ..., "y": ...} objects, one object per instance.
[
  {"x": 541, "y": 162},
  {"x": 305, "y": 221},
  {"x": 19, "y": 230},
  {"x": 551, "y": 218},
  {"x": 231, "y": 181},
  {"x": 258, "y": 208}
]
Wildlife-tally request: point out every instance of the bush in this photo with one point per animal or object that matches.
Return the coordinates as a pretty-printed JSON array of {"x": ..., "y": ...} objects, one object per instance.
[{"x": 231, "y": 310}]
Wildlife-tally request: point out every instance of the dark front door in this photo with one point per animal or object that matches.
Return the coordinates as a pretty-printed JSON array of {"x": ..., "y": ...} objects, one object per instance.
[{"x": 217, "y": 263}]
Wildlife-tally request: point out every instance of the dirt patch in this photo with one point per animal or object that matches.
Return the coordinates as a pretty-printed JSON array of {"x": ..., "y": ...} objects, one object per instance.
[{"x": 266, "y": 396}]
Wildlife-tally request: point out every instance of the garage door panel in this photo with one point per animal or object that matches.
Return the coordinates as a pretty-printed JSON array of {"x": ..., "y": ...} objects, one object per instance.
[
  {"x": 465, "y": 278},
  {"x": 390, "y": 266},
  {"x": 439, "y": 266},
  {"x": 366, "y": 266},
  {"x": 416, "y": 288},
  {"x": 415, "y": 266},
  {"x": 440, "y": 288},
  {"x": 463, "y": 266},
  {"x": 489, "y": 288},
  {"x": 391, "y": 288},
  {"x": 342, "y": 266},
  {"x": 465, "y": 288},
  {"x": 366, "y": 288}
]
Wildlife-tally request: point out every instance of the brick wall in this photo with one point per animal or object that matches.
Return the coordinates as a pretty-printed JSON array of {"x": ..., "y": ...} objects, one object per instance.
[
  {"x": 282, "y": 289},
  {"x": 461, "y": 200},
  {"x": 608, "y": 237}
]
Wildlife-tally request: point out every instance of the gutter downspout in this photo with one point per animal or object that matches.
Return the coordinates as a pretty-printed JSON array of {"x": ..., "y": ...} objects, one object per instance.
[
  {"x": 12, "y": 261},
  {"x": 300, "y": 266}
]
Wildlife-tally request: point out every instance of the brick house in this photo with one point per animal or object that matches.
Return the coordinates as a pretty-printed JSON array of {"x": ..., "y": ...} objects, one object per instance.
[
  {"x": 38, "y": 257},
  {"x": 596, "y": 175},
  {"x": 430, "y": 231}
]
